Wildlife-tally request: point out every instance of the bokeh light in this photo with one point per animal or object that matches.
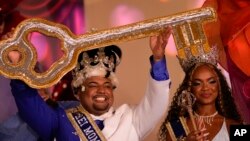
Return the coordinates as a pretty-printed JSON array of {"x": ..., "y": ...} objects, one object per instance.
[{"x": 124, "y": 14}]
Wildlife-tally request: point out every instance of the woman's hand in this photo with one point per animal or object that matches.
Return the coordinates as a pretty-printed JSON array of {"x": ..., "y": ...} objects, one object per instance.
[{"x": 198, "y": 135}]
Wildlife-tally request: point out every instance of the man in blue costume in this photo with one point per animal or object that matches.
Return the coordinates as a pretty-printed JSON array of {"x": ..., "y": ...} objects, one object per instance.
[{"x": 94, "y": 80}]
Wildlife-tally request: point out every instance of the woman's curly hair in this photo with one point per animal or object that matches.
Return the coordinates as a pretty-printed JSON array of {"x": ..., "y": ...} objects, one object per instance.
[{"x": 224, "y": 104}]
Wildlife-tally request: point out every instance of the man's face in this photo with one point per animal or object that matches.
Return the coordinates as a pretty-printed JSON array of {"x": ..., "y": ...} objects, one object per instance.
[{"x": 98, "y": 95}]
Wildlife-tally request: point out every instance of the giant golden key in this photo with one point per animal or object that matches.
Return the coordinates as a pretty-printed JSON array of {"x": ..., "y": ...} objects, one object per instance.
[{"x": 187, "y": 31}]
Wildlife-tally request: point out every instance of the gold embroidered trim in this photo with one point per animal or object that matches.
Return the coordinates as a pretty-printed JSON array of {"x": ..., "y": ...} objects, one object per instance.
[
  {"x": 184, "y": 124},
  {"x": 77, "y": 128},
  {"x": 170, "y": 129}
]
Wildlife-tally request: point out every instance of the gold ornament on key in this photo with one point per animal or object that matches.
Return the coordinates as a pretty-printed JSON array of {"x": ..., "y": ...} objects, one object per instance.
[
  {"x": 186, "y": 100},
  {"x": 187, "y": 27}
]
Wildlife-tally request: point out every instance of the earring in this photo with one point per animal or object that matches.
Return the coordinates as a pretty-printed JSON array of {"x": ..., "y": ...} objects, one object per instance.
[
  {"x": 83, "y": 88},
  {"x": 220, "y": 103}
]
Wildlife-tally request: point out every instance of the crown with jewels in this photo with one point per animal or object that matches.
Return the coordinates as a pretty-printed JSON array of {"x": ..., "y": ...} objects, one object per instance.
[
  {"x": 192, "y": 45},
  {"x": 97, "y": 62},
  {"x": 197, "y": 54}
]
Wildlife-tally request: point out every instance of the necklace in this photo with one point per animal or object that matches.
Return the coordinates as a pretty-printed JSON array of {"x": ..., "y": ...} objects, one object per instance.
[{"x": 208, "y": 119}]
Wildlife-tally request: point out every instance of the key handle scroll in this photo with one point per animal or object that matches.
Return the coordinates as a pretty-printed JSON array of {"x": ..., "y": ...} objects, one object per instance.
[{"x": 73, "y": 45}]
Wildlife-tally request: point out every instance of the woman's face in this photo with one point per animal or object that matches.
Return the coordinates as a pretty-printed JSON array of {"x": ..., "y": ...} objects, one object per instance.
[{"x": 205, "y": 85}]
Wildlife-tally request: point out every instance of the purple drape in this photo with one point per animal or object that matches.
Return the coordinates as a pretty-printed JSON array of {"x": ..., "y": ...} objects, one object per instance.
[{"x": 67, "y": 12}]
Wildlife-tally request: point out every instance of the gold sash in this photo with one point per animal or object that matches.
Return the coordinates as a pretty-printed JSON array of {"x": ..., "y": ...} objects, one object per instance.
[
  {"x": 173, "y": 127},
  {"x": 84, "y": 125}
]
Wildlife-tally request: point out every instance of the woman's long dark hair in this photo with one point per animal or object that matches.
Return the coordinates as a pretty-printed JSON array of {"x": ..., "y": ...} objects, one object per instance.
[{"x": 224, "y": 104}]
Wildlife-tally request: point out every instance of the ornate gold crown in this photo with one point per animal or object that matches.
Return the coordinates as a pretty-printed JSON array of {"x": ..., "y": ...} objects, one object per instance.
[
  {"x": 198, "y": 54},
  {"x": 192, "y": 44},
  {"x": 97, "y": 62}
]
